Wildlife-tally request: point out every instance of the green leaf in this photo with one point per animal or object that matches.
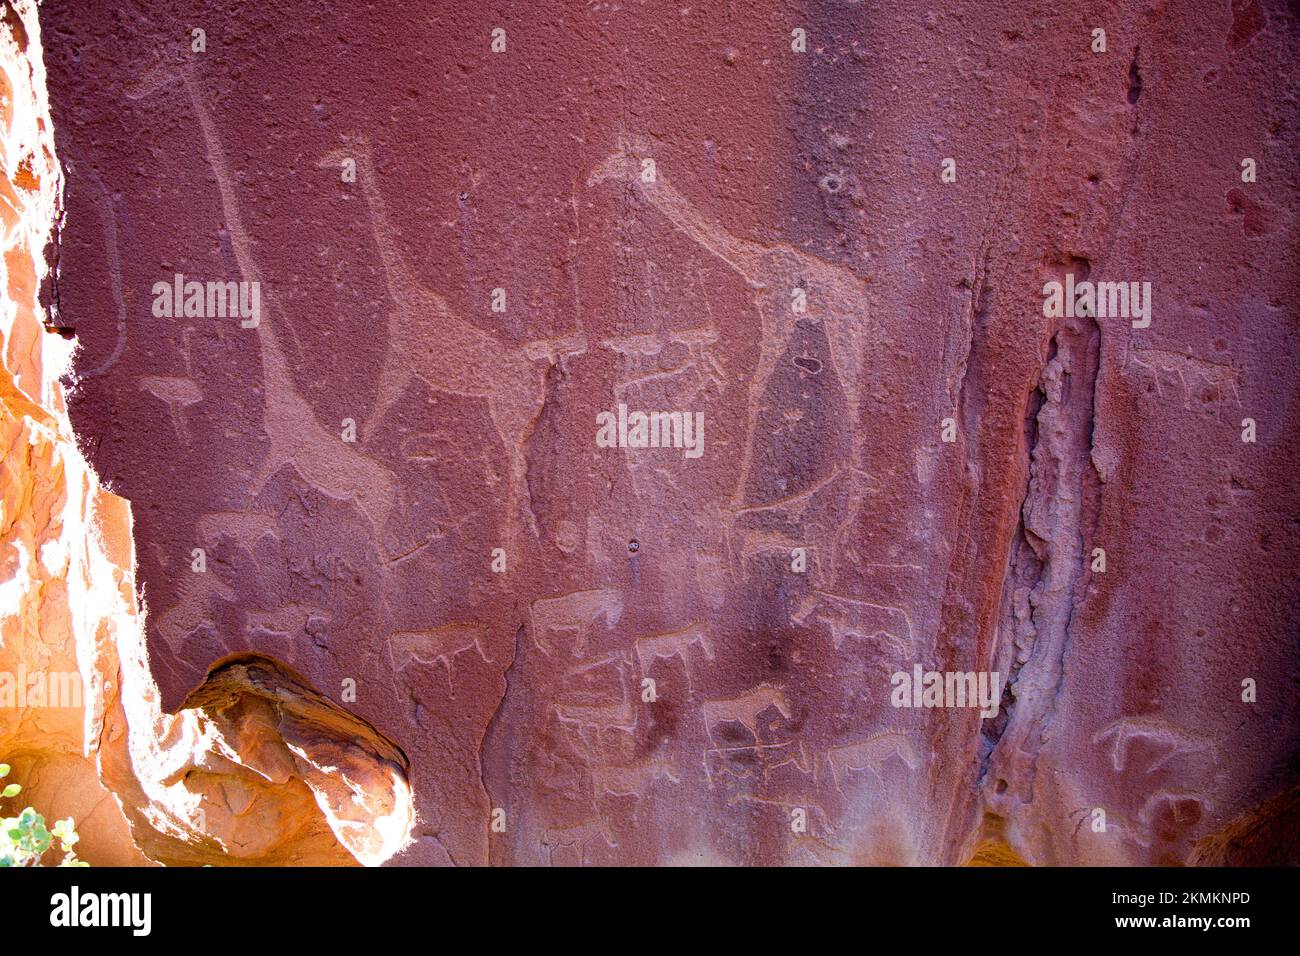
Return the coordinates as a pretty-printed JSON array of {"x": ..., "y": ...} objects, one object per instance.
[
  {"x": 11, "y": 791},
  {"x": 4, "y": 770}
]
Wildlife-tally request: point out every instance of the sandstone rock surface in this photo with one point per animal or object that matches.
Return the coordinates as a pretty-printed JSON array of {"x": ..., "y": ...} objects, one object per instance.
[{"x": 464, "y": 257}]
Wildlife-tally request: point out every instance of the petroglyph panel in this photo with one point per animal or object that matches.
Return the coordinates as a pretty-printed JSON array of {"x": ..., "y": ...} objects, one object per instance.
[{"x": 467, "y": 260}]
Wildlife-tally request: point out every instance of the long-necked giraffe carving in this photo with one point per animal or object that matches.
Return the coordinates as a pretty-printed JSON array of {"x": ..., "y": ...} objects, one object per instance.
[
  {"x": 320, "y": 457},
  {"x": 836, "y": 296},
  {"x": 429, "y": 342}
]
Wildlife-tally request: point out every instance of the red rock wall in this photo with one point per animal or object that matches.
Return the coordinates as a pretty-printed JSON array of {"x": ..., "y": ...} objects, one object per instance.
[{"x": 366, "y": 566}]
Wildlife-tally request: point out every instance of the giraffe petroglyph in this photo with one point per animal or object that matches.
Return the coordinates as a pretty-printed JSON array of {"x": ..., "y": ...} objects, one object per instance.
[
  {"x": 429, "y": 342},
  {"x": 320, "y": 458},
  {"x": 836, "y": 297}
]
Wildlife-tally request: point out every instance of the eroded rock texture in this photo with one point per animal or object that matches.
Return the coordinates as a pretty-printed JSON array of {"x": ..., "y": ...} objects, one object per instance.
[{"x": 463, "y": 257}]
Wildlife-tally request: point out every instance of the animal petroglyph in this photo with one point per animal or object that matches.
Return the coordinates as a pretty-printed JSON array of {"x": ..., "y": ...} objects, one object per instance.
[
  {"x": 577, "y": 837},
  {"x": 573, "y": 616},
  {"x": 631, "y": 781},
  {"x": 641, "y": 350},
  {"x": 285, "y": 626},
  {"x": 870, "y": 755},
  {"x": 1198, "y": 383},
  {"x": 429, "y": 342},
  {"x": 439, "y": 645},
  {"x": 329, "y": 465},
  {"x": 191, "y": 611},
  {"x": 770, "y": 758},
  {"x": 836, "y": 296},
  {"x": 585, "y": 698},
  {"x": 197, "y": 591},
  {"x": 1154, "y": 732},
  {"x": 847, "y": 618},
  {"x": 676, "y": 644},
  {"x": 745, "y": 709}
]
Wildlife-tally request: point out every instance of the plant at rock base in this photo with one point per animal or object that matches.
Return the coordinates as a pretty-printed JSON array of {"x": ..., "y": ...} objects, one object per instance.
[{"x": 24, "y": 838}]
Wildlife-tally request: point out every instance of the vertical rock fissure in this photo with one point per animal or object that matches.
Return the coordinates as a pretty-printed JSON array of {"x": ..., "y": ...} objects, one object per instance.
[
  {"x": 1049, "y": 569},
  {"x": 1024, "y": 570},
  {"x": 497, "y": 757}
]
